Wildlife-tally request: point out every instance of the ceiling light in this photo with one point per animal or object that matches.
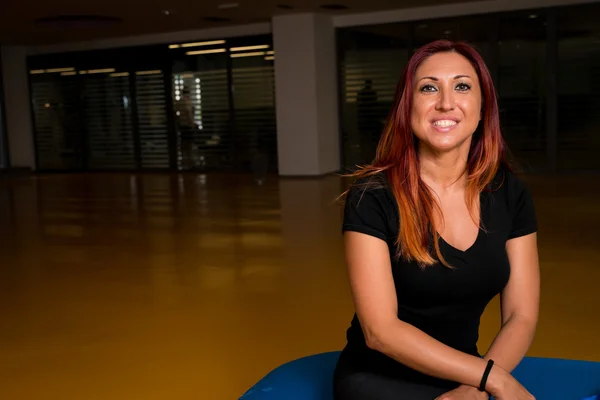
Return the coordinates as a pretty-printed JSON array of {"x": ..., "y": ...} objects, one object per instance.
[
  {"x": 153, "y": 72},
  {"x": 101, "y": 71},
  {"x": 59, "y": 70},
  {"x": 196, "y": 44},
  {"x": 532, "y": 16},
  {"x": 197, "y": 52},
  {"x": 228, "y": 5},
  {"x": 256, "y": 53},
  {"x": 262, "y": 46}
]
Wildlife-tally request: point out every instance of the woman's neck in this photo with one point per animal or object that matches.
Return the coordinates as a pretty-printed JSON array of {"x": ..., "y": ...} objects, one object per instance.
[{"x": 446, "y": 171}]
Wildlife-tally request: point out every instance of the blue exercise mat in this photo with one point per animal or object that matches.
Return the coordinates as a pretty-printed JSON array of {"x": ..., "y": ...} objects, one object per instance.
[{"x": 310, "y": 378}]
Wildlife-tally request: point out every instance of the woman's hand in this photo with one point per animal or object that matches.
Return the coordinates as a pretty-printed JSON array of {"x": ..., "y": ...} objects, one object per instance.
[
  {"x": 503, "y": 386},
  {"x": 464, "y": 392}
]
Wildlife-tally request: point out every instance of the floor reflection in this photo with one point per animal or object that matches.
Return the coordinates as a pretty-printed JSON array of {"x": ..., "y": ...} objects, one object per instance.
[{"x": 194, "y": 286}]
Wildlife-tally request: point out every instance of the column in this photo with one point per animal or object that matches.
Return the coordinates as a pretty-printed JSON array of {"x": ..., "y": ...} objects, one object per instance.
[
  {"x": 3, "y": 143},
  {"x": 308, "y": 138},
  {"x": 17, "y": 107}
]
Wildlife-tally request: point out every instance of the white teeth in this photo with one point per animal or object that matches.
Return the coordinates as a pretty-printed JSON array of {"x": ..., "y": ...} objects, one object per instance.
[{"x": 444, "y": 123}]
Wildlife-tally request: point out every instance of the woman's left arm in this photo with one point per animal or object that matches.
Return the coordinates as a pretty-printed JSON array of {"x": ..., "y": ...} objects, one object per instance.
[{"x": 519, "y": 302}]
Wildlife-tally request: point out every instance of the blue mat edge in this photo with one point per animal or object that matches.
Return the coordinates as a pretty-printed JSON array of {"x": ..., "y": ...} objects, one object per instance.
[{"x": 335, "y": 353}]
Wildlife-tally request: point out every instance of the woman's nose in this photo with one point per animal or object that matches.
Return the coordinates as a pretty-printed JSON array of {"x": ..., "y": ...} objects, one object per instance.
[{"x": 445, "y": 100}]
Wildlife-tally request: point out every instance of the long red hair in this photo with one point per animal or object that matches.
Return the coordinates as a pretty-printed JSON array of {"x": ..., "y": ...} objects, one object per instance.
[{"x": 397, "y": 156}]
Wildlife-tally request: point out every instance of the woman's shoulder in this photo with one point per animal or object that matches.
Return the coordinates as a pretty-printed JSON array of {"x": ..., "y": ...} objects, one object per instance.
[
  {"x": 374, "y": 186},
  {"x": 520, "y": 205},
  {"x": 375, "y": 181},
  {"x": 374, "y": 189},
  {"x": 508, "y": 181},
  {"x": 511, "y": 188},
  {"x": 370, "y": 207}
]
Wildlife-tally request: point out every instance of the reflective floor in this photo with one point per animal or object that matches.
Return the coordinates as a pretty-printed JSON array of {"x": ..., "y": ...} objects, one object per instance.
[{"x": 193, "y": 287}]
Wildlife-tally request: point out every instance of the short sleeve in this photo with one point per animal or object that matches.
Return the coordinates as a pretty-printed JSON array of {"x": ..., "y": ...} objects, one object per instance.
[
  {"x": 523, "y": 214},
  {"x": 367, "y": 210}
]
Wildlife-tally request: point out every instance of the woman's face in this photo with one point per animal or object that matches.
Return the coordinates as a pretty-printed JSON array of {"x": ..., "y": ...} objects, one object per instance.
[{"x": 446, "y": 102}]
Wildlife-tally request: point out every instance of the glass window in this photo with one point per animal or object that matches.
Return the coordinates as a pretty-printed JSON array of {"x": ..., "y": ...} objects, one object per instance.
[
  {"x": 473, "y": 29},
  {"x": 372, "y": 60},
  {"x": 205, "y": 105},
  {"x": 108, "y": 120},
  {"x": 578, "y": 88},
  {"x": 3, "y": 141},
  {"x": 521, "y": 83},
  {"x": 253, "y": 79},
  {"x": 58, "y": 118},
  {"x": 200, "y": 93},
  {"x": 151, "y": 104}
]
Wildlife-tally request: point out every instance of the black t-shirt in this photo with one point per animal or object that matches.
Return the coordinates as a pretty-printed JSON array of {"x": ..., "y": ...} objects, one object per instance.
[{"x": 445, "y": 303}]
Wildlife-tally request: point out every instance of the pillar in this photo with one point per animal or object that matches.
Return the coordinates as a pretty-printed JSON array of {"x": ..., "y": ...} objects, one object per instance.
[
  {"x": 308, "y": 138},
  {"x": 3, "y": 142},
  {"x": 17, "y": 107}
]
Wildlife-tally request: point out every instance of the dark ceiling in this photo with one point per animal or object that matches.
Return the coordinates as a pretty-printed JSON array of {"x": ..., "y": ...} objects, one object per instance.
[{"x": 39, "y": 22}]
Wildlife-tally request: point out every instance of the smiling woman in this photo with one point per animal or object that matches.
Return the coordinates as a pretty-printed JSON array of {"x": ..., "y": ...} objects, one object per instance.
[
  {"x": 447, "y": 103},
  {"x": 435, "y": 227}
]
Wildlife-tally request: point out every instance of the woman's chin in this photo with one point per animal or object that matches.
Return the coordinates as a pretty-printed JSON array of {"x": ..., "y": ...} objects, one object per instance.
[{"x": 444, "y": 144}]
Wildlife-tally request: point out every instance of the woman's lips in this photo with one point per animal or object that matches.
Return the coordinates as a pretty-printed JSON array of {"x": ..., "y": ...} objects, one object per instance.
[{"x": 444, "y": 125}]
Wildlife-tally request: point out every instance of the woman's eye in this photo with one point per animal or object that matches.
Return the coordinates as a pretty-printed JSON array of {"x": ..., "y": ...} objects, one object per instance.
[
  {"x": 463, "y": 87},
  {"x": 428, "y": 88}
]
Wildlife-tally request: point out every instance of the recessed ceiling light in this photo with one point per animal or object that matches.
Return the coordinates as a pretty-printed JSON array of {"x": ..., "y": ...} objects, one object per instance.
[
  {"x": 532, "y": 16},
  {"x": 228, "y": 5},
  {"x": 166, "y": 12}
]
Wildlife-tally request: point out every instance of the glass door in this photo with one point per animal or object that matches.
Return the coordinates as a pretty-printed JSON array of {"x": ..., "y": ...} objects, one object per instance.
[
  {"x": 200, "y": 92},
  {"x": 578, "y": 88}
]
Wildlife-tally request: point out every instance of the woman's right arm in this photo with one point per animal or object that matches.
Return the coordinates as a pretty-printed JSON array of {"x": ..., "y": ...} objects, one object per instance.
[{"x": 374, "y": 296}]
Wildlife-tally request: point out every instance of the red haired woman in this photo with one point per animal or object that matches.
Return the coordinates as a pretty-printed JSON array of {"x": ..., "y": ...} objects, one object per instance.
[{"x": 434, "y": 228}]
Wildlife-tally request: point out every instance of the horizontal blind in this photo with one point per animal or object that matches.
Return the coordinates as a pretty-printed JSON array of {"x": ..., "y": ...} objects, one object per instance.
[
  {"x": 152, "y": 119},
  {"x": 521, "y": 82},
  {"x": 108, "y": 122},
  {"x": 578, "y": 88},
  {"x": 201, "y": 101},
  {"x": 56, "y": 117},
  {"x": 255, "y": 126},
  {"x": 369, "y": 80}
]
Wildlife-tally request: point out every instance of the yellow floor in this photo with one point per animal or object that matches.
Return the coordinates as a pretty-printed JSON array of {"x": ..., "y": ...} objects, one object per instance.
[{"x": 193, "y": 287}]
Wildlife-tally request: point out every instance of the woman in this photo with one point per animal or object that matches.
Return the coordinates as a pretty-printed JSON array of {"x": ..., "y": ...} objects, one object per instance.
[{"x": 434, "y": 228}]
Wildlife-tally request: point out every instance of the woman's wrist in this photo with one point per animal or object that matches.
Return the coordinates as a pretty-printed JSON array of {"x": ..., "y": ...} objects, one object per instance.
[
  {"x": 495, "y": 380},
  {"x": 474, "y": 391}
]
